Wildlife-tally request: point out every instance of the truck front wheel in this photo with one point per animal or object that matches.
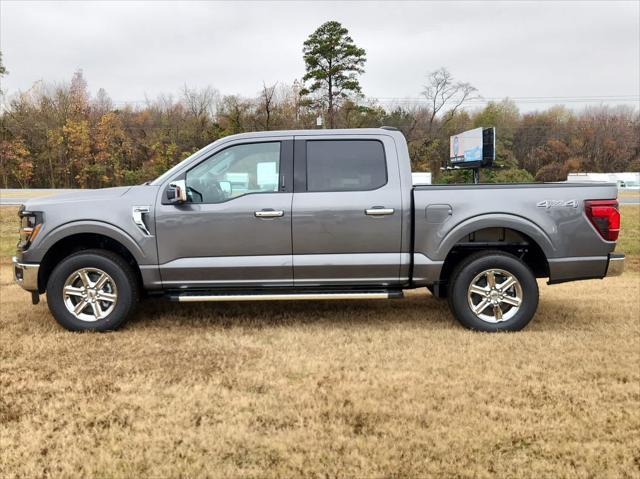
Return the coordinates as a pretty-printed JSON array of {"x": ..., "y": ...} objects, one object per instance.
[
  {"x": 493, "y": 291},
  {"x": 92, "y": 290}
]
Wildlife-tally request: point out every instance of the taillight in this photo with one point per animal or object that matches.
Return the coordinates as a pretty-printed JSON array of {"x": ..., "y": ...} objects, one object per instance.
[{"x": 604, "y": 215}]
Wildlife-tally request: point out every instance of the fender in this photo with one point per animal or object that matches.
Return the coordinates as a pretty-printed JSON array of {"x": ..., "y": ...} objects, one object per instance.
[
  {"x": 514, "y": 222},
  {"x": 88, "y": 226}
]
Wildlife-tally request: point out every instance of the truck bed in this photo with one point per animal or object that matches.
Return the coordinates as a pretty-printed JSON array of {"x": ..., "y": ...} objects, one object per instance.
[{"x": 550, "y": 216}]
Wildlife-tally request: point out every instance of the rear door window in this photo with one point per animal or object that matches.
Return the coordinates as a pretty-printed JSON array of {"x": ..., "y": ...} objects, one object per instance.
[{"x": 345, "y": 165}]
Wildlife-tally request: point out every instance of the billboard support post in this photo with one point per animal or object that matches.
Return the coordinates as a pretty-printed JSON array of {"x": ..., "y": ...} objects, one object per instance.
[{"x": 476, "y": 175}]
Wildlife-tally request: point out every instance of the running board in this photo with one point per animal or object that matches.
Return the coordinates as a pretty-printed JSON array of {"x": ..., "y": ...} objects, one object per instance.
[{"x": 196, "y": 297}]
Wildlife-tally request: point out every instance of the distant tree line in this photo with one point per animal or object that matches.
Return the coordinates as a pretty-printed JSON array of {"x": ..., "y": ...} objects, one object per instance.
[{"x": 61, "y": 136}]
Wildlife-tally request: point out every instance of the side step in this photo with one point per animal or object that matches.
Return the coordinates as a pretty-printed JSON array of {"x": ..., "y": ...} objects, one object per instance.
[{"x": 191, "y": 297}]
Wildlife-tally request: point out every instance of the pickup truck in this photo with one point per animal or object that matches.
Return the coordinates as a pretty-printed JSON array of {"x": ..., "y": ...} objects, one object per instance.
[{"x": 312, "y": 215}]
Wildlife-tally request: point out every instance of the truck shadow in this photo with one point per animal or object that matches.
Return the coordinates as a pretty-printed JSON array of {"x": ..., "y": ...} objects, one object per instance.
[
  {"x": 260, "y": 314},
  {"x": 418, "y": 308}
]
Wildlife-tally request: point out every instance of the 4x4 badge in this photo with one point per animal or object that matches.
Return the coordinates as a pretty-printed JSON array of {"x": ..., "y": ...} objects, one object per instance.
[{"x": 557, "y": 204}]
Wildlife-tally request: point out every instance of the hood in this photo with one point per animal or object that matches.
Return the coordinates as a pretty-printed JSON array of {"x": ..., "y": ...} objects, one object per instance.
[{"x": 77, "y": 196}]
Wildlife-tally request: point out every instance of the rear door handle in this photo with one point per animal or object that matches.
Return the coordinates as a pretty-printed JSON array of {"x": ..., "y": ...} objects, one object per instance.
[
  {"x": 267, "y": 213},
  {"x": 379, "y": 211}
]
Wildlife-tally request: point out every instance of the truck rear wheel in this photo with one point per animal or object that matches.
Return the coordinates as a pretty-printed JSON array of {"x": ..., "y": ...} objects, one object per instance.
[
  {"x": 493, "y": 291},
  {"x": 92, "y": 290}
]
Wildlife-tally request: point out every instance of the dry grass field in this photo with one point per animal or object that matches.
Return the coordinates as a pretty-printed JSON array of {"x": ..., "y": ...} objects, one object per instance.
[
  {"x": 629, "y": 193},
  {"x": 357, "y": 389}
]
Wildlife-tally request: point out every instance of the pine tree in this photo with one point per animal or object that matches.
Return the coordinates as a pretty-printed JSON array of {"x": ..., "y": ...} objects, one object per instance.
[{"x": 332, "y": 62}]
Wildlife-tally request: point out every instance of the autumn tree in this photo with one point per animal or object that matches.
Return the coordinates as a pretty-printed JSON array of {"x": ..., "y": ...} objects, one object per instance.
[
  {"x": 199, "y": 103},
  {"x": 113, "y": 147},
  {"x": 79, "y": 95},
  {"x": 62, "y": 136},
  {"x": 234, "y": 112},
  {"x": 3, "y": 70},
  {"x": 551, "y": 172},
  {"x": 609, "y": 138},
  {"x": 15, "y": 163},
  {"x": 355, "y": 115},
  {"x": 78, "y": 149},
  {"x": 505, "y": 118},
  {"x": 535, "y": 129},
  {"x": 333, "y": 63}
]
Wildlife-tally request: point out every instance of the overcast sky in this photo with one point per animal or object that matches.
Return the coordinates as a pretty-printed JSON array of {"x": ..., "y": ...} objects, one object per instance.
[{"x": 528, "y": 51}]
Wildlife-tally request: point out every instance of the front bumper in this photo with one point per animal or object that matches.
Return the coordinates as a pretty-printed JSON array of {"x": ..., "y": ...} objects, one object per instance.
[
  {"x": 26, "y": 275},
  {"x": 615, "y": 266}
]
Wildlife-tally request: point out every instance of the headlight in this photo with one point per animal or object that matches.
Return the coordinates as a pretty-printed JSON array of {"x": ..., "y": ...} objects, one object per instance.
[{"x": 30, "y": 223}]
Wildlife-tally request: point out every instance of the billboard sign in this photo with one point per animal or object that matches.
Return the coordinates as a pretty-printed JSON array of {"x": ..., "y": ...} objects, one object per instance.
[{"x": 472, "y": 148}]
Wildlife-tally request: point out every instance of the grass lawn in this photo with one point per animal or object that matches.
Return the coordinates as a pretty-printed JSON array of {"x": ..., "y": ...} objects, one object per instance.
[
  {"x": 629, "y": 240},
  {"x": 353, "y": 388},
  {"x": 629, "y": 193}
]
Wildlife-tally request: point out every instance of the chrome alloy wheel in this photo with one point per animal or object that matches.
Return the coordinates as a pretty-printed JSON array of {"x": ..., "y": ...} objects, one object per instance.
[
  {"x": 90, "y": 294},
  {"x": 495, "y": 295}
]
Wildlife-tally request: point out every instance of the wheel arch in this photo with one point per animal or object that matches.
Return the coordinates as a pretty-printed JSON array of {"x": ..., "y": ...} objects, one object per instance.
[
  {"x": 516, "y": 223},
  {"x": 508, "y": 233},
  {"x": 86, "y": 235}
]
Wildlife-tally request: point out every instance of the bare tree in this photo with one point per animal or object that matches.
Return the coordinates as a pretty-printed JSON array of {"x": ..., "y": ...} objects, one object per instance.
[
  {"x": 199, "y": 103},
  {"x": 163, "y": 103},
  {"x": 445, "y": 96},
  {"x": 102, "y": 103},
  {"x": 267, "y": 103}
]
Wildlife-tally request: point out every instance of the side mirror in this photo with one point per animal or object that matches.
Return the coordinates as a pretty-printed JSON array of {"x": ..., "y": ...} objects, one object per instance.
[{"x": 177, "y": 192}]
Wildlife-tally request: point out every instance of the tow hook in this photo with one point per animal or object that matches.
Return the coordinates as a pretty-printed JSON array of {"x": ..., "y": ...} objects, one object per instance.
[{"x": 35, "y": 297}]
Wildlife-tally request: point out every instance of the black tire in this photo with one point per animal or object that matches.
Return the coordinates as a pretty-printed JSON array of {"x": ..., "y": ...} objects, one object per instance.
[
  {"x": 120, "y": 273},
  {"x": 472, "y": 267}
]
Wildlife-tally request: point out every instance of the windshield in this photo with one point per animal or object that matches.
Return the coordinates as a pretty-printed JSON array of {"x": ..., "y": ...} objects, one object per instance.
[{"x": 171, "y": 171}]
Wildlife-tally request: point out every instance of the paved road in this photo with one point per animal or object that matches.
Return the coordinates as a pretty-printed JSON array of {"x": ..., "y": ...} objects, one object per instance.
[{"x": 17, "y": 197}]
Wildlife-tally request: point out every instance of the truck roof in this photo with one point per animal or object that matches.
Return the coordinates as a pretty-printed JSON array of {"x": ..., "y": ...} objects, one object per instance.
[
  {"x": 387, "y": 131},
  {"x": 319, "y": 132}
]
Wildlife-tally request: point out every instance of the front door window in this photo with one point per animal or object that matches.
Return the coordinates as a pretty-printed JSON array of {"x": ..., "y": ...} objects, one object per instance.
[{"x": 235, "y": 171}]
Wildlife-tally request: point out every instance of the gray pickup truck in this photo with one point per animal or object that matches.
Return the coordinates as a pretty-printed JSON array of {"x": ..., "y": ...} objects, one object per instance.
[{"x": 312, "y": 215}]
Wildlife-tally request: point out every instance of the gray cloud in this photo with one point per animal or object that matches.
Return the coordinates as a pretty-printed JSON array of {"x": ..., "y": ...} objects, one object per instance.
[{"x": 519, "y": 49}]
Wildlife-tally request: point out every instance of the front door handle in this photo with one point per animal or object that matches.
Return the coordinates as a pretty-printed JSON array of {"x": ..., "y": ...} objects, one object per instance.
[
  {"x": 379, "y": 211},
  {"x": 268, "y": 213}
]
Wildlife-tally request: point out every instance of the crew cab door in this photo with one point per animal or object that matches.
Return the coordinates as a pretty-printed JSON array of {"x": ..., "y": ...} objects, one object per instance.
[
  {"x": 347, "y": 211},
  {"x": 235, "y": 228}
]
